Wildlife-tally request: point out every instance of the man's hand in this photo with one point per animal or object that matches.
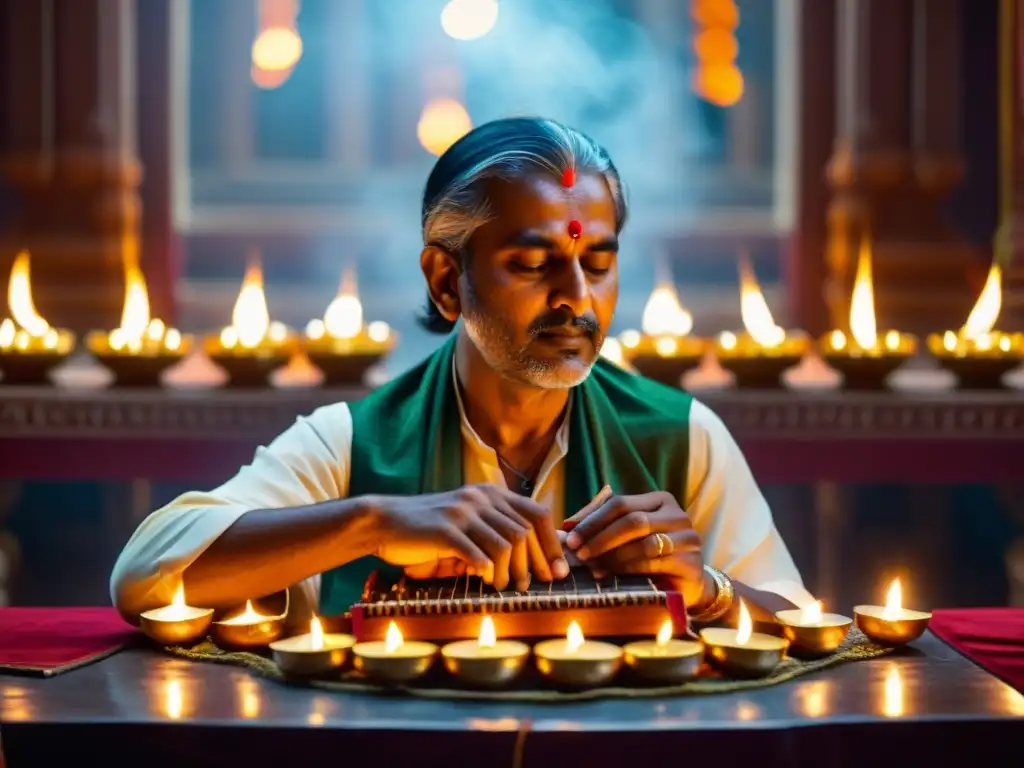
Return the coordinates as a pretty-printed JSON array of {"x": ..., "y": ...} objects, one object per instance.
[
  {"x": 495, "y": 533},
  {"x": 648, "y": 534}
]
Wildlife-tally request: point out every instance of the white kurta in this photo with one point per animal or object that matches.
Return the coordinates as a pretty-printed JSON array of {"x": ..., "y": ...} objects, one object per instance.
[{"x": 309, "y": 463}]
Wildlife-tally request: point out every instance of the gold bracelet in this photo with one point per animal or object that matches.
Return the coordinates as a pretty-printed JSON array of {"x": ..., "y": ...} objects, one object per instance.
[{"x": 724, "y": 594}]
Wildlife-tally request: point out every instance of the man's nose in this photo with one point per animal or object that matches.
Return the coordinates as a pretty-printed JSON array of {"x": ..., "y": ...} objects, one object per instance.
[{"x": 571, "y": 290}]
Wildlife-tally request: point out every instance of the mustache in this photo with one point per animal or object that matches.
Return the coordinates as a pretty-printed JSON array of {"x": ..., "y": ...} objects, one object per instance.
[{"x": 557, "y": 321}]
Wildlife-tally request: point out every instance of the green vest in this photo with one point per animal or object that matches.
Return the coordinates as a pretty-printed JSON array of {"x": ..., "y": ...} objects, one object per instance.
[{"x": 626, "y": 431}]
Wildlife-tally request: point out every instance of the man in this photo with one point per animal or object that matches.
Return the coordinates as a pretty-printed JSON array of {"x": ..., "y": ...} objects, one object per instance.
[{"x": 521, "y": 219}]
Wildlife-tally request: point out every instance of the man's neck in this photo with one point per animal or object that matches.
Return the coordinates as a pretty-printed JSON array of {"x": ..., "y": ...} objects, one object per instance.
[{"x": 509, "y": 416}]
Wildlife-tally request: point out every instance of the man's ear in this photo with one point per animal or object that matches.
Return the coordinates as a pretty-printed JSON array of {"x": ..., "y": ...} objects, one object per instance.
[{"x": 441, "y": 269}]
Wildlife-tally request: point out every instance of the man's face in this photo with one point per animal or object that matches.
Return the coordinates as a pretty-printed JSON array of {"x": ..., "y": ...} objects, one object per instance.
[{"x": 536, "y": 301}]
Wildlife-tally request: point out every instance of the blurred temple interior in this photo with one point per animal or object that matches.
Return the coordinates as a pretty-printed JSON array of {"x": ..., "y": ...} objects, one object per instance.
[{"x": 172, "y": 149}]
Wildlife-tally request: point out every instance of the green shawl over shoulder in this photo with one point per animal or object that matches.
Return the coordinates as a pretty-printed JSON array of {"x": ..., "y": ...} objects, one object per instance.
[{"x": 624, "y": 430}]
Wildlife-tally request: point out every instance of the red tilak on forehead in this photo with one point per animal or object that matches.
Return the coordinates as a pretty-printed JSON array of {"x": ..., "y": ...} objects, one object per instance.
[
  {"x": 568, "y": 177},
  {"x": 575, "y": 229}
]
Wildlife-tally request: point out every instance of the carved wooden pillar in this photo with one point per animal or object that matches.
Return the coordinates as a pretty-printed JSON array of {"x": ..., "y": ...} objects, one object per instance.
[
  {"x": 815, "y": 122},
  {"x": 68, "y": 149},
  {"x": 348, "y": 95},
  {"x": 161, "y": 245},
  {"x": 896, "y": 156},
  {"x": 1011, "y": 160},
  {"x": 237, "y": 130}
]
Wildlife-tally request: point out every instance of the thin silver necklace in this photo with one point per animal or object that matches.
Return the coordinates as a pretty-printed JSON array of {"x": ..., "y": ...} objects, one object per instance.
[{"x": 525, "y": 483}]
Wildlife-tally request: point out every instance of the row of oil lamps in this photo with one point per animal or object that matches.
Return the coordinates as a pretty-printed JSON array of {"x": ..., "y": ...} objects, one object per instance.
[
  {"x": 343, "y": 348},
  {"x": 142, "y": 348},
  {"x": 976, "y": 354},
  {"x": 572, "y": 661}
]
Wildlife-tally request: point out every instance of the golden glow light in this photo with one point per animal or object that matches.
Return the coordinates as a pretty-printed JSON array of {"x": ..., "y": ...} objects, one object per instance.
[
  {"x": 469, "y": 19},
  {"x": 573, "y": 638},
  {"x": 862, "y": 303},
  {"x": 19, "y": 298},
  {"x": 811, "y": 614},
  {"x": 393, "y": 640},
  {"x": 664, "y": 314},
  {"x": 488, "y": 635},
  {"x": 757, "y": 318},
  {"x": 893, "y": 601},
  {"x": 746, "y": 626},
  {"x": 441, "y": 124},
  {"x": 277, "y": 47},
  {"x": 986, "y": 310},
  {"x": 250, "y": 318},
  {"x": 316, "y": 634},
  {"x": 664, "y": 634},
  {"x": 716, "y": 78}
]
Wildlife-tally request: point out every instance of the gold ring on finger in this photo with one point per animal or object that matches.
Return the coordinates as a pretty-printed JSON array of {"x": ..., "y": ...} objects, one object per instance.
[
  {"x": 661, "y": 544},
  {"x": 665, "y": 543}
]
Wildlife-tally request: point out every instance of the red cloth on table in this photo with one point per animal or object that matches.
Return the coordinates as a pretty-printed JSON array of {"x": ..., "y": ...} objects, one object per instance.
[
  {"x": 48, "y": 641},
  {"x": 993, "y": 638}
]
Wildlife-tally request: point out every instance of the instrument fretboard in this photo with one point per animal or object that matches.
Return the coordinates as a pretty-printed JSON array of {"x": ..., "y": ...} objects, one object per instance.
[{"x": 470, "y": 594}]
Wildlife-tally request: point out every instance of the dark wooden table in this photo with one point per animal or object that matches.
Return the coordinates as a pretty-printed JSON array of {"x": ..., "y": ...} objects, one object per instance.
[
  {"x": 788, "y": 437},
  {"x": 140, "y": 708}
]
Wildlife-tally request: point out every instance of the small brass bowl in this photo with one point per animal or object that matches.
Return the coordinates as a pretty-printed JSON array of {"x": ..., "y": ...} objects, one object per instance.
[
  {"x": 979, "y": 372},
  {"x": 460, "y": 660},
  {"x": 665, "y": 359},
  {"x": 817, "y": 640},
  {"x": 185, "y": 631},
  {"x": 412, "y": 661},
  {"x": 891, "y": 632},
  {"x": 666, "y": 370},
  {"x": 864, "y": 373},
  {"x": 342, "y": 370},
  {"x": 978, "y": 366},
  {"x": 142, "y": 368},
  {"x": 137, "y": 371},
  {"x": 250, "y": 371},
  {"x": 757, "y": 372},
  {"x": 747, "y": 661},
  {"x": 681, "y": 660},
  {"x": 294, "y": 658},
  {"x": 576, "y": 672},
  {"x": 29, "y": 368},
  {"x": 245, "y": 636}
]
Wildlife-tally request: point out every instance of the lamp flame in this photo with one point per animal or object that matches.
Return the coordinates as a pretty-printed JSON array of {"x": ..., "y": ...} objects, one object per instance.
[
  {"x": 250, "y": 318},
  {"x": 757, "y": 318},
  {"x": 488, "y": 637},
  {"x": 893, "y": 601},
  {"x": 393, "y": 640},
  {"x": 19, "y": 298},
  {"x": 664, "y": 314},
  {"x": 746, "y": 626},
  {"x": 664, "y": 634},
  {"x": 135, "y": 314},
  {"x": 344, "y": 316},
  {"x": 573, "y": 638},
  {"x": 316, "y": 634},
  {"x": 986, "y": 310},
  {"x": 862, "y": 302},
  {"x": 176, "y": 610},
  {"x": 811, "y": 614},
  {"x": 249, "y": 616}
]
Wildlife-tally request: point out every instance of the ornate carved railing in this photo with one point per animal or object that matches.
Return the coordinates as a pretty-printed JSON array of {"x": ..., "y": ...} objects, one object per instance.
[{"x": 786, "y": 436}]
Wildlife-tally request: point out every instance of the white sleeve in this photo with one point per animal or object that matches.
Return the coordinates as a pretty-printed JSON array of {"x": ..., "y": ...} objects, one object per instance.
[
  {"x": 306, "y": 464},
  {"x": 731, "y": 515}
]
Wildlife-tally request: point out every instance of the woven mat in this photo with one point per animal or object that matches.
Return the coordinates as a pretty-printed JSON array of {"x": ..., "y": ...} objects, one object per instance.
[{"x": 438, "y": 685}]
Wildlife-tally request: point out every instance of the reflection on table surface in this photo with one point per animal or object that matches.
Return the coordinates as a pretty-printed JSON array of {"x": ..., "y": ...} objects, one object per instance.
[{"x": 930, "y": 681}]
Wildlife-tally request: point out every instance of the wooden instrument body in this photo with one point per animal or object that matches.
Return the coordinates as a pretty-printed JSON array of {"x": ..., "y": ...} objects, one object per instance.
[{"x": 451, "y": 609}]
